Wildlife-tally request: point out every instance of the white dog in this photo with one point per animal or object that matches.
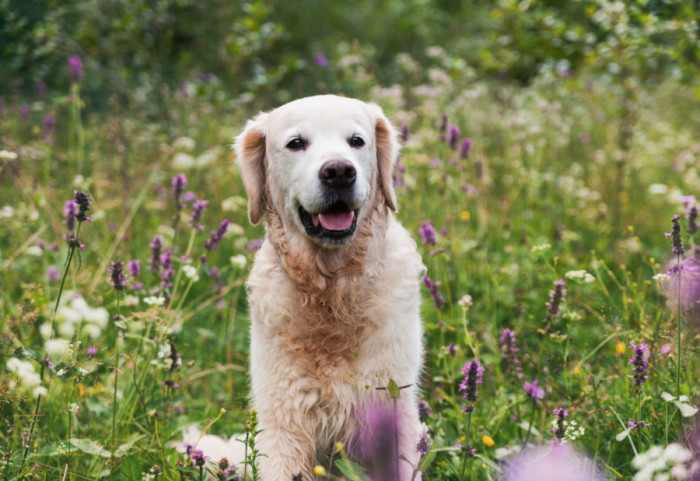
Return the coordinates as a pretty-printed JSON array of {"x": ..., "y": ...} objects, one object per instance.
[{"x": 334, "y": 291}]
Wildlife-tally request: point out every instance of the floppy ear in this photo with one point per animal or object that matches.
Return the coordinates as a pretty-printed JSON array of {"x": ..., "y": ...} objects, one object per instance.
[
  {"x": 387, "y": 154},
  {"x": 250, "y": 157}
]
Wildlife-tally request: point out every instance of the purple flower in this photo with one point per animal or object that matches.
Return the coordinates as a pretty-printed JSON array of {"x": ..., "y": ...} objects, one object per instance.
[
  {"x": 560, "y": 430},
  {"x": 216, "y": 235},
  {"x": 405, "y": 132},
  {"x": 453, "y": 136},
  {"x": 531, "y": 389},
  {"x": 556, "y": 297},
  {"x": 117, "y": 276},
  {"x": 637, "y": 424},
  {"x": 24, "y": 111},
  {"x": 167, "y": 271},
  {"x": 255, "y": 244},
  {"x": 83, "y": 202},
  {"x": 427, "y": 233},
  {"x": 156, "y": 246},
  {"x": 76, "y": 69},
  {"x": 373, "y": 440},
  {"x": 470, "y": 450},
  {"x": 433, "y": 288},
  {"x": 675, "y": 235},
  {"x": 69, "y": 212},
  {"x": 198, "y": 207},
  {"x": 639, "y": 367},
  {"x": 320, "y": 59},
  {"x": 510, "y": 352},
  {"x": 53, "y": 274},
  {"x": 91, "y": 351},
  {"x": 442, "y": 127},
  {"x": 424, "y": 411},
  {"x": 452, "y": 350},
  {"x": 49, "y": 128},
  {"x": 692, "y": 215},
  {"x": 555, "y": 463},
  {"x": 134, "y": 267},
  {"x": 465, "y": 151},
  {"x": 179, "y": 182},
  {"x": 683, "y": 284},
  {"x": 198, "y": 458},
  {"x": 423, "y": 445},
  {"x": 472, "y": 371}
]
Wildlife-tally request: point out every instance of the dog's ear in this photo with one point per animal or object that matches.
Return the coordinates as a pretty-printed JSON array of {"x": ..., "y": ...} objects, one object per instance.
[
  {"x": 250, "y": 157},
  {"x": 387, "y": 154}
]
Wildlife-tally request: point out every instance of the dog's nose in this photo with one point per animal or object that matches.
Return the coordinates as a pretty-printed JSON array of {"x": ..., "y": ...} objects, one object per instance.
[{"x": 338, "y": 173}]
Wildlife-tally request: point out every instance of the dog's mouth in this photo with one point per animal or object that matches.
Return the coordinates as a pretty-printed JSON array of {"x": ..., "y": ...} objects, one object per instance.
[{"x": 336, "y": 223}]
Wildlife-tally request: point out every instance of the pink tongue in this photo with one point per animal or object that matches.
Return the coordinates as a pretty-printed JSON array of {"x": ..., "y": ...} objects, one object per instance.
[{"x": 340, "y": 221}]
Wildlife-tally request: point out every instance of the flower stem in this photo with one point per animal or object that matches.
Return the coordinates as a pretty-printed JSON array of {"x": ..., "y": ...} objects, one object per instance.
[
  {"x": 466, "y": 440},
  {"x": 678, "y": 346},
  {"x": 116, "y": 379}
]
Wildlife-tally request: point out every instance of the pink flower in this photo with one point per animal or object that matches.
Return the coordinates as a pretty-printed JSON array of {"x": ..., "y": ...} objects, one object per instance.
[{"x": 555, "y": 463}]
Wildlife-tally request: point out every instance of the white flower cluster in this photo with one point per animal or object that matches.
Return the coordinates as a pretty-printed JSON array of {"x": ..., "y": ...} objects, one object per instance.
[
  {"x": 580, "y": 275},
  {"x": 28, "y": 378},
  {"x": 154, "y": 300},
  {"x": 664, "y": 464},
  {"x": 540, "y": 247},
  {"x": 70, "y": 316},
  {"x": 190, "y": 272},
  {"x": 573, "y": 430},
  {"x": 164, "y": 360}
]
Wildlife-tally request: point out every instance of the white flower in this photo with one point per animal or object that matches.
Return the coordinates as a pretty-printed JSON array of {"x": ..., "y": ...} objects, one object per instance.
[
  {"x": 233, "y": 203},
  {"x": 540, "y": 247},
  {"x": 39, "y": 391},
  {"x": 27, "y": 375},
  {"x": 239, "y": 261},
  {"x": 661, "y": 277},
  {"x": 92, "y": 330},
  {"x": 465, "y": 301},
  {"x": 69, "y": 315},
  {"x": 34, "y": 251},
  {"x": 131, "y": 301},
  {"x": 184, "y": 143},
  {"x": 7, "y": 212},
  {"x": 658, "y": 189},
  {"x": 7, "y": 155},
  {"x": 190, "y": 272},
  {"x": 154, "y": 300},
  {"x": 73, "y": 407},
  {"x": 183, "y": 161},
  {"x": 57, "y": 347},
  {"x": 655, "y": 463},
  {"x": 580, "y": 275}
]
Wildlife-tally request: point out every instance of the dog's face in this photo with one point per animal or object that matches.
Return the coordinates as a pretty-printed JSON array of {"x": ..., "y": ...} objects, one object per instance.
[{"x": 318, "y": 162}]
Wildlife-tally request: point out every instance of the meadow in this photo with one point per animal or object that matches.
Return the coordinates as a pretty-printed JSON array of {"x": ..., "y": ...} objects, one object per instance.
[{"x": 561, "y": 293}]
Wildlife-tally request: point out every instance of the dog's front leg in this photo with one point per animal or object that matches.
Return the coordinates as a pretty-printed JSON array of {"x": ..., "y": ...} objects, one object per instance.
[{"x": 285, "y": 452}]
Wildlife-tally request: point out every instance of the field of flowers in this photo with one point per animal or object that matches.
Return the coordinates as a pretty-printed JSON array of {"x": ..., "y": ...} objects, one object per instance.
[{"x": 557, "y": 221}]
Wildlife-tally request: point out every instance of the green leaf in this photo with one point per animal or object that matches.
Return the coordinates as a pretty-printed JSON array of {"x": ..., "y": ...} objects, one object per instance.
[
  {"x": 126, "y": 447},
  {"x": 393, "y": 389},
  {"x": 427, "y": 460},
  {"x": 351, "y": 470},
  {"x": 89, "y": 446}
]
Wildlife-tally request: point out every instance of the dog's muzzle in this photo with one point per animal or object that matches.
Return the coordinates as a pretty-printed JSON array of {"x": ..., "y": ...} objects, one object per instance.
[{"x": 336, "y": 223}]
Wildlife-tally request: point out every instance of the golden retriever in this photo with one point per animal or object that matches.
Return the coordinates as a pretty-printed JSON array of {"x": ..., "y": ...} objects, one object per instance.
[{"x": 334, "y": 291}]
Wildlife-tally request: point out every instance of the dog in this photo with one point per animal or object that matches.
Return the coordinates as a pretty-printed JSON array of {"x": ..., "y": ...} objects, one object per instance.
[{"x": 334, "y": 291}]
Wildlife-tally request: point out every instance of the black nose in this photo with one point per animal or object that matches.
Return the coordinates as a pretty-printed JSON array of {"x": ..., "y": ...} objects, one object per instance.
[{"x": 338, "y": 173}]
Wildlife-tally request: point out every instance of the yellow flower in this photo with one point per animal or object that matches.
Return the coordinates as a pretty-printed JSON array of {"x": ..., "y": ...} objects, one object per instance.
[
  {"x": 620, "y": 348},
  {"x": 465, "y": 215},
  {"x": 319, "y": 471},
  {"x": 487, "y": 440}
]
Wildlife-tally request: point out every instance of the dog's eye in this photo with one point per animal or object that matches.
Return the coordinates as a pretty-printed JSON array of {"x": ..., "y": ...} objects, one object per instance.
[
  {"x": 356, "y": 141},
  {"x": 296, "y": 144}
]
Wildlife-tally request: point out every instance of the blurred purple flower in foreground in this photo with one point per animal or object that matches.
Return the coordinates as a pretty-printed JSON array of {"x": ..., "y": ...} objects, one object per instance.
[
  {"x": 555, "y": 463},
  {"x": 320, "y": 59},
  {"x": 683, "y": 284},
  {"x": 374, "y": 440},
  {"x": 531, "y": 389}
]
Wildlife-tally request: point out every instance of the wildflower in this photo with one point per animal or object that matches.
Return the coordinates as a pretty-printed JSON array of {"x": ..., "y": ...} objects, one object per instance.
[
  {"x": 154, "y": 300},
  {"x": 117, "y": 277},
  {"x": 531, "y": 389},
  {"x": 692, "y": 219},
  {"x": 540, "y": 247},
  {"x": 76, "y": 69},
  {"x": 465, "y": 151},
  {"x": 405, "y": 132},
  {"x": 453, "y": 136},
  {"x": 319, "y": 470},
  {"x": 375, "y": 441},
  {"x": 83, "y": 202},
  {"x": 49, "y": 128},
  {"x": 216, "y": 235},
  {"x": 683, "y": 283},
  {"x": 255, "y": 244},
  {"x": 665, "y": 349},
  {"x": 473, "y": 371},
  {"x": 52, "y": 274},
  {"x": 661, "y": 460},
  {"x": 7, "y": 154},
  {"x": 470, "y": 450},
  {"x": 580, "y": 275},
  {"x": 687, "y": 410},
  {"x": 173, "y": 358},
  {"x": 91, "y": 351},
  {"x": 167, "y": 271},
  {"x": 488, "y": 440},
  {"x": 427, "y": 233},
  {"x": 442, "y": 127},
  {"x": 198, "y": 458},
  {"x": 179, "y": 182},
  {"x": 28, "y": 378},
  {"x": 560, "y": 430},
  {"x": 620, "y": 348},
  {"x": 433, "y": 288},
  {"x": 57, "y": 348},
  {"x": 675, "y": 235},
  {"x": 156, "y": 246},
  {"x": 510, "y": 352},
  {"x": 452, "y": 350},
  {"x": 320, "y": 59},
  {"x": 190, "y": 272},
  {"x": 465, "y": 301},
  {"x": 198, "y": 207},
  {"x": 69, "y": 212},
  {"x": 555, "y": 463},
  {"x": 640, "y": 367},
  {"x": 423, "y": 445},
  {"x": 424, "y": 410},
  {"x": 556, "y": 297}
]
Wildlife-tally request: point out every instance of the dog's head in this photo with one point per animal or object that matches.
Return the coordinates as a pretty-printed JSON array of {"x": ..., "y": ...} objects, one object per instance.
[{"x": 319, "y": 163}]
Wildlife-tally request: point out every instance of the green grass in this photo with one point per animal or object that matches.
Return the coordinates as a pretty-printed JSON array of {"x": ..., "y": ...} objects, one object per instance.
[{"x": 535, "y": 200}]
